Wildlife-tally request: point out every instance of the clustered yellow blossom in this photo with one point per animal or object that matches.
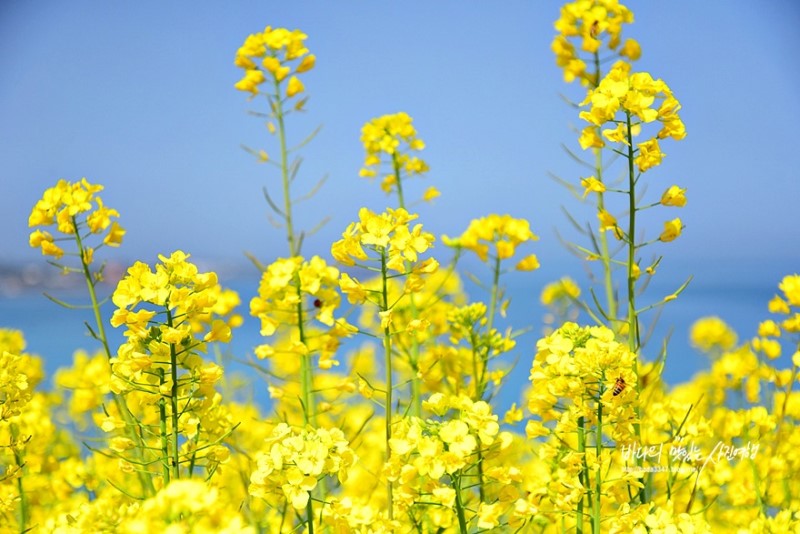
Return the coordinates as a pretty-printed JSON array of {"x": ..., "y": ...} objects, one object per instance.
[
  {"x": 392, "y": 140},
  {"x": 589, "y": 21},
  {"x": 15, "y": 391},
  {"x": 575, "y": 369},
  {"x": 293, "y": 462},
  {"x": 167, "y": 312},
  {"x": 292, "y": 284},
  {"x": 391, "y": 236},
  {"x": 431, "y": 456},
  {"x": 274, "y": 54},
  {"x": 770, "y": 332},
  {"x": 73, "y": 208},
  {"x": 623, "y": 96},
  {"x": 497, "y": 237},
  {"x": 712, "y": 334}
]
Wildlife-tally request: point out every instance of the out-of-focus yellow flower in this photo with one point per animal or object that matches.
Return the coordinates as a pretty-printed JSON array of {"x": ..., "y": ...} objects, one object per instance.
[
  {"x": 711, "y": 334},
  {"x": 278, "y": 50},
  {"x": 590, "y": 23},
  {"x": 391, "y": 141},
  {"x": 502, "y": 233},
  {"x": 565, "y": 288},
  {"x": 790, "y": 286}
]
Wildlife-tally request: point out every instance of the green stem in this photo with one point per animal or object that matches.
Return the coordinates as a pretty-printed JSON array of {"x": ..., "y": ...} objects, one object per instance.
[
  {"x": 585, "y": 473},
  {"x": 387, "y": 347},
  {"x": 413, "y": 359},
  {"x": 633, "y": 319},
  {"x": 145, "y": 481},
  {"x": 162, "y": 417},
  {"x": 398, "y": 181},
  {"x": 494, "y": 297},
  {"x": 173, "y": 398},
  {"x": 598, "y": 481},
  {"x": 306, "y": 372},
  {"x": 310, "y": 515},
  {"x": 23, "y": 497},
  {"x": 284, "y": 164},
  {"x": 462, "y": 520}
]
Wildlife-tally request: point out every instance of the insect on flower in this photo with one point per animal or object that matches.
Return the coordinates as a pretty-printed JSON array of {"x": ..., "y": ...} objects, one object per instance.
[
  {"x": 619, "y": 385},
  {"x": 317, "y": 303},
  {"x": 594, "y": 29}
]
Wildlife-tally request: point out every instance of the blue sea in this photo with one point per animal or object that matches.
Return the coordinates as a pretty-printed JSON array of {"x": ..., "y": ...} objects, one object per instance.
[{"x": 736, "y": 292}]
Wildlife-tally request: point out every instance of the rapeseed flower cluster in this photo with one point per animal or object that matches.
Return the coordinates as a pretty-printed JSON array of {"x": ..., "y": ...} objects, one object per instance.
[
  {"x": 590, "y": 22},
  {"x": 274, "y": 55},
  {"x": 293, "y": 462},
  {"x": 391, "y": 141},
  {"x": 73, "y": 208},
  {"x": 293, "y": 293},
  {"x": 497, "y": 237}
]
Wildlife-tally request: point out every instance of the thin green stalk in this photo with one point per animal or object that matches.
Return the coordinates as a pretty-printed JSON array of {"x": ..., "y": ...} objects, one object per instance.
[
  {"x": 605, "y": 256},
  {"x": 145, "y": 481},
  {"x": 162, "y": 417},
  {"x": 493, "y": 298},
  {"x": 633, "y": 319},
  {"x": 173, "y": 398},
  {"x": 598, "y": 482},
  {"x": 23, "y": 497},
  {"x": 462, "y": 520},
  {"x": 416, "y": 383},
  {"x": 387, "y": 347},
  {"x": 582, "y": 452},
  {"x": 306, "y": 372},
  {"x": 310, "y": 515},
  {"x": 284, "y": 164}
]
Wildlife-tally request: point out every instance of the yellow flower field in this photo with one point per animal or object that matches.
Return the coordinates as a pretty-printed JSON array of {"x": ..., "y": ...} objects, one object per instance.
[{"x": 383, "y": 376}]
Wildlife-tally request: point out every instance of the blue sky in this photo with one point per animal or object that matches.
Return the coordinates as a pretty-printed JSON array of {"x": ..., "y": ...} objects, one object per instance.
[{"x": 139, "y": 97}]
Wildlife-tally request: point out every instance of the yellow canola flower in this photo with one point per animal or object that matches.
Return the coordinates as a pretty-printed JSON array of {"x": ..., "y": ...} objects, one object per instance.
[
  {"x": 712, "y": 333},
  {"x": 387, "y": 233},
  {"x": 278, "y": 50},
  {"x": 293, "y": 461},
  {"x": 589, "y": 23},
  {"x": 674, "y": 196},
  {"x": 71, "y": 208},
  {"x": 499, "y": 235},
  {"x": 592, "y": 184},
  {"x": 622, "y": 95},
  {"x": 790, "y": 286},
  {"x": 672, "y": 230},
  {"x": 391, "y": 141},
  {"x": 565, "y": 288}
]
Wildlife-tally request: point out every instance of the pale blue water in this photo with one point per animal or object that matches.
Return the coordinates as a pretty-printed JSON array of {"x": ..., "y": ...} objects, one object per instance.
[{"x": 736, "y": 293}]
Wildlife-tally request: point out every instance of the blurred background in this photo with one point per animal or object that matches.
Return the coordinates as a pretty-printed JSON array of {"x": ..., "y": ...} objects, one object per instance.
[{"x": 140, "y": 98}]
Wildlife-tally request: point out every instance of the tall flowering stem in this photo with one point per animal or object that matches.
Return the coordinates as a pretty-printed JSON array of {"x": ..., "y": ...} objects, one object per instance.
[
  {"x": 589, "y": 35},
  {"x": 275, "y": 57},
  {"x": 635, "y": 96},
  {"x": 170, "y": 313},
  {"x": 493, "y": 239},
  {"x": 576, "y": 402},
  {"x": 77, "y": 211},
  {"x": 279, "y": 55},
  {"x": 385, "y": 243},
  {"x": 296, "y": 302},
  {"x": 391, "y": 141}
]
